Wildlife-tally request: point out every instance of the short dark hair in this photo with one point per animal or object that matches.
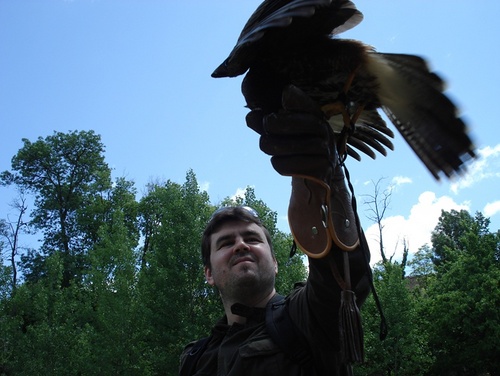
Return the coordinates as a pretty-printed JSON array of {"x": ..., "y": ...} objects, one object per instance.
[{"x": 229, "y": 214}]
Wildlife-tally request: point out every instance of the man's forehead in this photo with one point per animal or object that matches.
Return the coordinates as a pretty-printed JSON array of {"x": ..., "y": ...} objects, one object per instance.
[{"x": 236, "y": 228}]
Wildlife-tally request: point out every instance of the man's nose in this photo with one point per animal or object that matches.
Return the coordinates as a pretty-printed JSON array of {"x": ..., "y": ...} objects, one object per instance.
[{"x": 241, "y": 245}]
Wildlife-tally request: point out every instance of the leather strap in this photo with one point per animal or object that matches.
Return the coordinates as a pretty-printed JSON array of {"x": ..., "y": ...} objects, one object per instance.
[
  {"x": 309, "y": 217},
  {"x": 319, "y": 217}
]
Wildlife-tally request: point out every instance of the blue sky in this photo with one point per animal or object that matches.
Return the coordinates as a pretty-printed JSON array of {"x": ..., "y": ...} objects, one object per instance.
[{"x": 138, "y": 74}]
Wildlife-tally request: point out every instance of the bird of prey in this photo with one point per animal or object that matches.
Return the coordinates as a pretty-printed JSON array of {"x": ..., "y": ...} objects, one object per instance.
[{"x": 294, "y": 42}]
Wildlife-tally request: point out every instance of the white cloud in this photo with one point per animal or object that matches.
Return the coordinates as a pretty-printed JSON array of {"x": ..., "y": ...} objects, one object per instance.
[
  {"x": 486, "y": 166},
  {"x": 491, "y": 208},
  {"x": 400, "y": 180},
  {"x": 416, "y": 228}
]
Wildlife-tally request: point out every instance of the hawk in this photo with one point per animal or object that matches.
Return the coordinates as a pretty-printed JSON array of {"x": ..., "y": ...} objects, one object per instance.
[{"x": 294, "y": 42}]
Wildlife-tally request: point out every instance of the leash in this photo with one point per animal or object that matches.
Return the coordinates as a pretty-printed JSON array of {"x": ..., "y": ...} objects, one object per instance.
[{"x": 366, "y": 252}]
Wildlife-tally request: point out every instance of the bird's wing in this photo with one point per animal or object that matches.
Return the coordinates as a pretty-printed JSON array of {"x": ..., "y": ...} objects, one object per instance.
[
  {"x": 272, "y": 15},
  {"x": 413, "y": 99}
]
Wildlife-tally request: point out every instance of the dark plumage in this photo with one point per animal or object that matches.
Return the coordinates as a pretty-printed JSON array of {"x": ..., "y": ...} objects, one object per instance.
[{"x": 291, "y": 42}]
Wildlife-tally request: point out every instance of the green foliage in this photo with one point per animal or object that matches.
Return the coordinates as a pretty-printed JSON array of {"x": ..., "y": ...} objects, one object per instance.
[
  {"x": 46, "y": 326},
  {"x": 5, "y": 285},
  {"x": 405, "y": 350},
  {"x": 117, "y": 286},
  {"x": 448, "y": 238},
  {"x": 444, "y": 318},
  {"x": 63, "y": 171},
  {"x": 462, "y": 302},
  {"x": 172, "y": 290}
]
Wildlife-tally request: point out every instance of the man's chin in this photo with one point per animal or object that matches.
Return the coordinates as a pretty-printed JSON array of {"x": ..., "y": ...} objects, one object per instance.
[{"x": 245, "y": 271}]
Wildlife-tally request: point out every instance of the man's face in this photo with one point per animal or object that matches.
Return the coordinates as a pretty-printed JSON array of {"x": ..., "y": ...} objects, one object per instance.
[{"x": 241, "y": 261}]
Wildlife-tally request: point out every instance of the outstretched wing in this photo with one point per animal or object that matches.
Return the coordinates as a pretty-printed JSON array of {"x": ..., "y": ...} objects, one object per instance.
[
  {"x": 301, "y": 18},
  {"x": 412, "y": 97}
]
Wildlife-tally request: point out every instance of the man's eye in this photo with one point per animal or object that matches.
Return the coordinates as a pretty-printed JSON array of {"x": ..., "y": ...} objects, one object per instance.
[
  {"x": 225, "y": 244},
  {"x": 254, "y": 240}
]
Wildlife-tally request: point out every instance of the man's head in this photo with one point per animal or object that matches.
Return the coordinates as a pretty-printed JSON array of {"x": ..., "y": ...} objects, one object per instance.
[
  {"x": 223, "y": 216},
  {"x": 237, "y": 255}
]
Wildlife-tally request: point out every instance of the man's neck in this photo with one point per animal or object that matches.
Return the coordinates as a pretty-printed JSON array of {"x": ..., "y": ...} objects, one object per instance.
[{"x": 258, "y": 302}]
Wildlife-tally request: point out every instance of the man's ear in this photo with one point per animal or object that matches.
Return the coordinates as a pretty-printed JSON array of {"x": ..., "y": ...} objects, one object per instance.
[
  {"x": 208, "y": 276},
  {"x": 275, "y": 266}
]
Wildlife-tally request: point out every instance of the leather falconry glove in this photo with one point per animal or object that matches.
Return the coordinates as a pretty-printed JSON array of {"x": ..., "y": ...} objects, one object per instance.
[{"x": 303, "y": 146}]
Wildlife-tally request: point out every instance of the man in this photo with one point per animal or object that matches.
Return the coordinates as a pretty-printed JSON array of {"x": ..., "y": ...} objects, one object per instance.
[{"x": 239, "y": 261}]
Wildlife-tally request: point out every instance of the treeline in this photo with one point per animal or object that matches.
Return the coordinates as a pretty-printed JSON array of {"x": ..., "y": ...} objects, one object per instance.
[
  {"x": 443, "y": 317},
  {"x": 116, "y": 286}
]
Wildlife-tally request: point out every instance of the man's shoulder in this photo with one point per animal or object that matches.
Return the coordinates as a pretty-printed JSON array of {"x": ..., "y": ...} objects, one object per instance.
[
  {"x": 298, "y": 290},
  {"x": 187, "y": 350},
  {"x": 189, "y": 346},
  {"x": 284, "y": 331},
  {"x": 190, "y": 355},
  {"x": 298, "y": 286}
]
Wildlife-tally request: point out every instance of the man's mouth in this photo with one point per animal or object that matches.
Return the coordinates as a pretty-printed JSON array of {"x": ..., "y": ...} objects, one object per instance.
[{"x": 241, "y": 259}]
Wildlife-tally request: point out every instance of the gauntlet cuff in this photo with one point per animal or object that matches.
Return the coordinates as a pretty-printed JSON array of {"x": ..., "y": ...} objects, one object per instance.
[{"x": 321, "y": 215}]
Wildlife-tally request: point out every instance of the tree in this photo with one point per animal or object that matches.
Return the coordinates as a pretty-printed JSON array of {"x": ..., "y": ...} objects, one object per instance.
[
  {"x": 462, "y": 302},
  {"x": 422, "y": 268},
  {"x": 62, "y": 171},
  {"x": 378, "y": 203},
  {"x": 176, "y": 305},
  {"x": 90, "y": 302},
  {"x": 405, "y": 350},
  {"x": 83, "y": 329},
  {"x": 46, "y": 327},
  {"x": 111, "y": 291},
  {"x": 10, "y": 231},
  {"x": 90, "y": 235},
  {"x": 448, "y": 237},
  {"x": 421, "y": 264}
]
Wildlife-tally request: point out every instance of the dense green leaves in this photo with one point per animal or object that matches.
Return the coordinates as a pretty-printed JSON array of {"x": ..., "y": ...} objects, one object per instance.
[
  {"x": 64, "y": 172},
  {"x": 463, "y": 314},
  {"x": 117, "y": 285},
  {"x": 172, "y": 291},
  {"x": 405, "y": 350},
  {"x": 444, "y": 318}
]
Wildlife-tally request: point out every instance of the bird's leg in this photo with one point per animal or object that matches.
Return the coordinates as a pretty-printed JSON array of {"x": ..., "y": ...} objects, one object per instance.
[
  {"x": 340, "y": 106},
  {"x": 357, "y": 114},
  {"x": 347, "y": 131}
]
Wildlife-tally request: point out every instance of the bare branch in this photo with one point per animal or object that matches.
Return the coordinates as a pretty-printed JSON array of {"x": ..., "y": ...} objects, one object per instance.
[
  {"x": 11, "y": 230},
  {"x": 378, "y": 203}
]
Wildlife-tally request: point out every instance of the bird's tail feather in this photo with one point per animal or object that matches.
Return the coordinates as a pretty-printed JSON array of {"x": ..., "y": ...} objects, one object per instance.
[{"x": 413, "y": 99}]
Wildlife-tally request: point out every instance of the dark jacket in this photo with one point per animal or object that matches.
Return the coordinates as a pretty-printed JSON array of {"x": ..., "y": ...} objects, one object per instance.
[{"x": 240, "y": 350}]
